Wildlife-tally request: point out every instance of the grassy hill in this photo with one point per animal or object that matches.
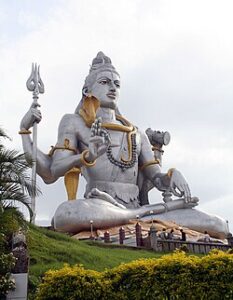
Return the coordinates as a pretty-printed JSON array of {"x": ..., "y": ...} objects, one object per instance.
[{"x": 50, "y": 250}]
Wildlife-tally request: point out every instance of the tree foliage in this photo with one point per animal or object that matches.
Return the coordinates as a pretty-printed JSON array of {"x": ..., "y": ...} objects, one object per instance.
[
  {"x": 15, "y": 183},
  {"x": 7, "y": 261}
]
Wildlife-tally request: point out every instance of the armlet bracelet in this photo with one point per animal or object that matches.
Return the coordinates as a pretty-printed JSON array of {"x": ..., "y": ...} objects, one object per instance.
[
  {"x": 157, "y": 148},
  {"x": 84, "y": 161},
  {"x": 24, "y": 131},
  {"x": 51, "y": 152}
]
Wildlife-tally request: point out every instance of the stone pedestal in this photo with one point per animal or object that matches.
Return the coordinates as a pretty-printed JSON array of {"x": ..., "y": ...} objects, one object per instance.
[
  {"x": 230, "y": 240},
  {"x": 153, "y": 238},
  {"x": 21, "y": 282}
]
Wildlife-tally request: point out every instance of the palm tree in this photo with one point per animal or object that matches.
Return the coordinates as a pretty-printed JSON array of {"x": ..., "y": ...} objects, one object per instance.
[{"x": 15, "y": 183}]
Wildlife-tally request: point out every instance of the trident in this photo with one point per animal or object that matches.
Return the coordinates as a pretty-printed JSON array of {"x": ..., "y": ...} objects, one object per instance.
[{"x": 35, "y": 85}]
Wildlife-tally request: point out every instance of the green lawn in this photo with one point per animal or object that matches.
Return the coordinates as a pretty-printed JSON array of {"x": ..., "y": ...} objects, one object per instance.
[{"x": 50, "y": 250}]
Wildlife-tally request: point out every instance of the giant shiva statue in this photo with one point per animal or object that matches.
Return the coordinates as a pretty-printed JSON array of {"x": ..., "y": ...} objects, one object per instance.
[{"x": 116, "y": 159}]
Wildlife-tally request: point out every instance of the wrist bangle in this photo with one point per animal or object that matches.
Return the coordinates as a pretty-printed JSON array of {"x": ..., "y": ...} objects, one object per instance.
[
  {"x": 24, "y": 131},
  {"x": 170, "y": 172},
  {"x": 84, "y": 161}
]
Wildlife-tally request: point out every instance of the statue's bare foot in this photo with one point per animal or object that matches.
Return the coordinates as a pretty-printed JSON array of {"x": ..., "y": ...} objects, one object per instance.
[
  {"x": 192, "y": 203},
  {"x": 95, "y": 193}
]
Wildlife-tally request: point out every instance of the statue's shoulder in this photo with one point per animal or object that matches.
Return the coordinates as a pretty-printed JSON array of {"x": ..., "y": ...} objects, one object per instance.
[
  {"x": 141, "y": 133},
  {"x": 71, "y": 122},
  {"x": 70, "y": 119}
]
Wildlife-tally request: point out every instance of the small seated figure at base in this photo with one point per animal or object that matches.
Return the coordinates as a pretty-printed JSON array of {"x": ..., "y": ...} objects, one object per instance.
[
  {"x": 183, "y": 235},
  {"x": 112, "y": 154},
  {"x": 170, "y": 235},
  {"x": 163, "y": 234},
  {"x": 206, "y": 237}
]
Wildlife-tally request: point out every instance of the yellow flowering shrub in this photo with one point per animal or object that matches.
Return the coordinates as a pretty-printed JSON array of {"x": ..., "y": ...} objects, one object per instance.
[
  {"x": 162, "y": 278},
  {"x": 215, "y": 275},
  {"x": 71, "y": 283},
  {"x": 174, "y": 276}
]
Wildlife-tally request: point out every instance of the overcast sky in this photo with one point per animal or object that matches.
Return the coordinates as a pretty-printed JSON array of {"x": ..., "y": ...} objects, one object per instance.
[{"x": 176, "y": 64}]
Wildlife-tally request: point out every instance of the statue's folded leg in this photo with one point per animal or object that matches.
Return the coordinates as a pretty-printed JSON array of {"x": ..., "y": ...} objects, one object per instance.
[{"x": 75, "y": 216}]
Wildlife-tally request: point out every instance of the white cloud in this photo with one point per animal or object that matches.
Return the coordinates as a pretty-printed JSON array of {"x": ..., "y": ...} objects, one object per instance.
[{"x": 29, "y": 20}]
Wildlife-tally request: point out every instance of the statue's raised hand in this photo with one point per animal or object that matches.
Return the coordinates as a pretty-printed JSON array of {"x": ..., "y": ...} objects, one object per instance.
[
  {"x": 99, "y": 140},
  {"x": 33, "y": 115},
  {"x": 179, "y": 186}
]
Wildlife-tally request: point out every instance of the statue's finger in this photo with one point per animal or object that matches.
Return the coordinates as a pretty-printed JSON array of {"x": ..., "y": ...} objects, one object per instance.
[
  {"x": 92, "y": 126},
  {"x": 98, "y": 131},
  {"x": 188, "y": 192},
  {"x": 92, "y": 131},
  {"x": 107, "y": 139},
  {"x": 95, "y": 128},
  {"x": 99, "y": 122},
  {"x": 194, "y": 199},
  {"x": 94, "y": 191},
  {"x": 106, "y": 136},
  {"x": 89, "y": 195},
  {"x": 176, "y": 193},
  {"x": 36, "y": 112},
  {"x": 93, "y": 134},
  {"x": 35, "y": 104}
]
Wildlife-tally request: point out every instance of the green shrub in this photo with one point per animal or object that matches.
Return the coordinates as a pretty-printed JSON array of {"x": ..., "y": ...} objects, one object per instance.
[
  {"x": 174, "y": 276},
  {"x": 11, "y": 220},
  {"x": 184, "y": 248},
  {"x": 7, "y": 262}
]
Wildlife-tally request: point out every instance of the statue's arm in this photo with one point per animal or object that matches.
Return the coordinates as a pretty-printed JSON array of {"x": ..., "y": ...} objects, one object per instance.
[
  {"x": 67, "y": 155},
  {"x": 172, "y": 180},
  {"x": 43, "y": 161},
  {"x": 147, "y": 162}
]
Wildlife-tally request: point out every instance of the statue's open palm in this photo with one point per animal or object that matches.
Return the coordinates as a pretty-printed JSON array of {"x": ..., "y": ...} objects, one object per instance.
[
  {"x": 99, "y": 140},
  {"x": 179, "y": 186}
]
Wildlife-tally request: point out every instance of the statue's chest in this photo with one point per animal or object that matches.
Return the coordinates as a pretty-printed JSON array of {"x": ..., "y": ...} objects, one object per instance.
[
  {"x": 120, "y": 141},
  {"x": 123, "y": 144},
  {"x": 119, "y": 162},
  {"x": 117, "y": 138}
]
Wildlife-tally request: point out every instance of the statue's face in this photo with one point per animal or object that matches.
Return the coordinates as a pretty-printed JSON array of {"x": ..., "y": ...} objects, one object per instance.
[{"x": 106, "y": 89}]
